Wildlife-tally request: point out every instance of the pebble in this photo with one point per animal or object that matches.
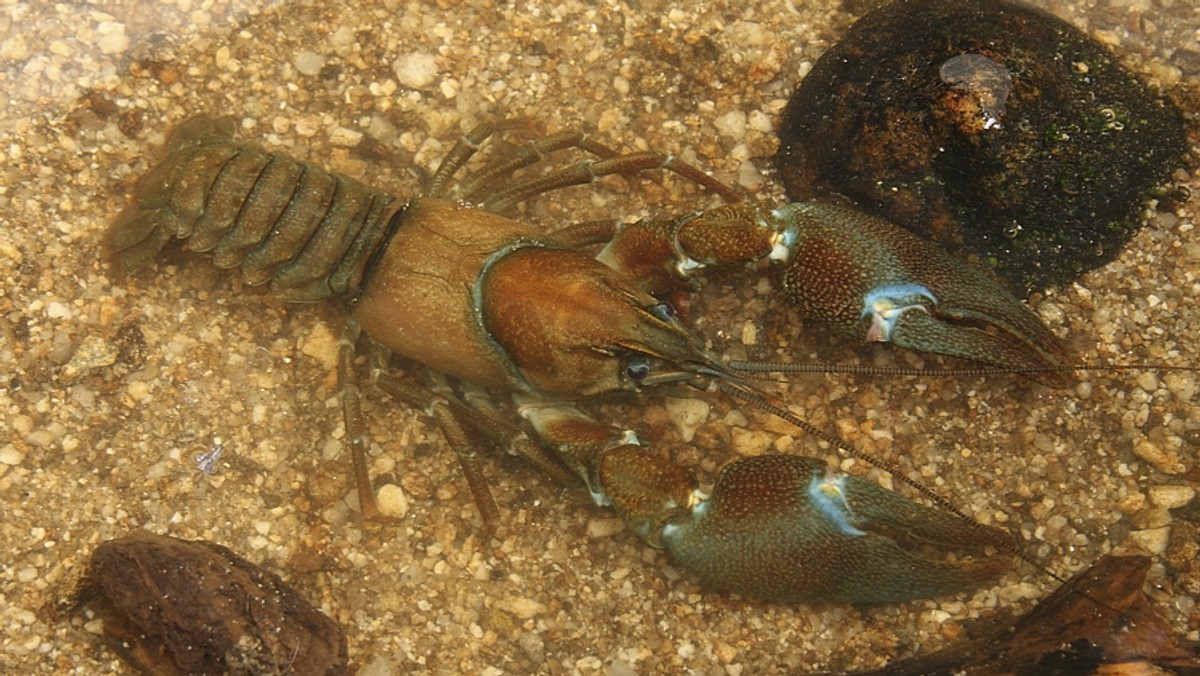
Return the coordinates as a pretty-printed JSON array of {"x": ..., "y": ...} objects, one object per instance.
[
  {"x": 415, "y": 70},
  {"x": 750, "y": 442},
  {"x": 1162, "y": 460},
  {"x": 760, "y": 122},
  {"x": 14, "y": 49},
  {"x": 1171, "y": 497},
  {"x": 380, "y": 666},
  {"x": 308, "y": 62},
  {"x": 732, "y": 125},
  {"x": 308, "y": 125},
  {"x": 1182, "y": 385},
  {"x": 391, "y": 501},
  {"x": 345, "y": 137},
  {"x": 1153, "y": 540},
  {"x": 524, "y": 608},
  {"x": 602, "y": 528},
  {"x": 342, "y": 37},
  {"x": 687, "y": 415},
  {"x": 749, "y": 333},
  {"x": 93, "y": 353},
  {"x": 56, "y": 310},
  {"x": 112, "y": 38},
  {"x": 9, "y": 455},
  {"x": 1020, "y": 592},
  {"x": 321, "y": 344}
]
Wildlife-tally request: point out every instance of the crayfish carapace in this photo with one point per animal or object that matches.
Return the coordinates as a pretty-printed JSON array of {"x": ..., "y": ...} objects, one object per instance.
[{"x": 448, "y": 282}]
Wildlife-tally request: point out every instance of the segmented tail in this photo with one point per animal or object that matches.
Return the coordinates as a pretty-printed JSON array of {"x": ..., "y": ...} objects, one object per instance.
[{"x": 306, "y": 231}]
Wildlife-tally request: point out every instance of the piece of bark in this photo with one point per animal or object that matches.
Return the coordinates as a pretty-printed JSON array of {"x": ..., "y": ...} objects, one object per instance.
[
  {"x": 1099, "y": 622},
  {"x": 174, "y": 607}
]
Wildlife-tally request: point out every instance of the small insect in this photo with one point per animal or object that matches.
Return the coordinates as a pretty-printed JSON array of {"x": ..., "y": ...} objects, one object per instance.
[{"x": 206, "y": 461}]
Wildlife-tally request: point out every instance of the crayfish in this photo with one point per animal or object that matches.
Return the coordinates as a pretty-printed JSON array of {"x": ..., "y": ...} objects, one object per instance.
[{"x": 446, "y": 281}]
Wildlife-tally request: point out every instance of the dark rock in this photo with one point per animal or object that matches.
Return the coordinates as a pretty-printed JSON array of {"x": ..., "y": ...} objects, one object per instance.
[{"x": 993, "y": 128}]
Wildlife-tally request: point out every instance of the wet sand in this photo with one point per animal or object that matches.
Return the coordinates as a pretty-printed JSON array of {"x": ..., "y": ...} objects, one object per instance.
[{"x": 113, "y": 385}]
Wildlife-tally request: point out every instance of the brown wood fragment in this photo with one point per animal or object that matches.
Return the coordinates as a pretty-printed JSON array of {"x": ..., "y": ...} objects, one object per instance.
[
  {"x": 174, "y": 607},
  {"x": 1099, "y": 622}
]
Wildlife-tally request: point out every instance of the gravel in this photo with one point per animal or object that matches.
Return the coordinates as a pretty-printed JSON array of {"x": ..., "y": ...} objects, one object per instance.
[{"x": 112, "y": 386}]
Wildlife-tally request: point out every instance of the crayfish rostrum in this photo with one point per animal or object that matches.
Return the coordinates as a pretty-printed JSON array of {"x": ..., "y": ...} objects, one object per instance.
[{"x": 446, "y": 281}]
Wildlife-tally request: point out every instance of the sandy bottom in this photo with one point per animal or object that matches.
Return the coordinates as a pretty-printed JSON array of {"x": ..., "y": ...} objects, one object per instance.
[{"x": 112, "y": 386}]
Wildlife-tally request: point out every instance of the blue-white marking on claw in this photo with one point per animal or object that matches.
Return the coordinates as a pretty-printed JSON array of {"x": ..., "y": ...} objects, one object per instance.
[
  {"x": 828, "y": 495},
  {"x": 885, "y": 304},
  {"x": 785, "y": 237}
]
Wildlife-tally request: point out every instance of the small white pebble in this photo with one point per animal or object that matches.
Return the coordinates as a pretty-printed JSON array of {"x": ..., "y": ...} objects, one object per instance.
[
  {"x": 687, "y": 415},
  {"x": 732, "y": 125},
  {"x": 321, "y": 343},
  {"x": 524, "y": 608},
  {"x": 308, "y": 125},
  {"x": 16, "y": 48},
  {"x": 391, "y": 501},
  {"x": 1153, "y": 540},
  {"x": 380, "y": 666},
  {"x": 749, "y": 333},
  {"x": 1171, "y": 497},
  {"x": 308, "y": 62},
  {"x": 112, "y": 38},
  {"x": 343, "y": 36},
  {"x": 621, "y": 86},
  {"x": 602, "y": 528},
  {"x": 760, "y": 122},
  {"x": 415, "y": 70},
  {"x": 1020, "y": 592},
  {"x": 750, "y": 442},
  {"x": 345, "y": 138},
  {"x": 1182, "y": 385},
  {"x": 1148, "y": 382},
  {"x": 9, "y": 455},
  {"x": 749, "y": 177}
]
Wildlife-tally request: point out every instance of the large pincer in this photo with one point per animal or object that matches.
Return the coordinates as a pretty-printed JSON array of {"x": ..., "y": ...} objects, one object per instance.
[
  {"x": 787, "y": 528},
  {"x": 875, "y": 281}
]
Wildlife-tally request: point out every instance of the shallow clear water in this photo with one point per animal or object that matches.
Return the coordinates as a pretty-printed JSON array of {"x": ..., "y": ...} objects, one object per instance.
[{"x": 115, "y": 384}]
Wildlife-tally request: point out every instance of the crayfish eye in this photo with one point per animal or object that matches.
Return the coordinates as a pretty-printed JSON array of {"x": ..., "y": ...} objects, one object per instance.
[
  {"x": 637, "y": 368},
  {"x": 664, "y": 310}
]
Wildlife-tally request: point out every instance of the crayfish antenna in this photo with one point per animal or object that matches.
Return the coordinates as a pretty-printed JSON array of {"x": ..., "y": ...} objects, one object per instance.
[{"x": 745, "y": 367}]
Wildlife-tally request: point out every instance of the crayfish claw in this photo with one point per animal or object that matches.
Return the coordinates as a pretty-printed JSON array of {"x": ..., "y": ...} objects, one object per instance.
[
  {"x": 786, "y": 528},
  {"x": 872, "y": 280},
  {"x": 979, "y": 341}
]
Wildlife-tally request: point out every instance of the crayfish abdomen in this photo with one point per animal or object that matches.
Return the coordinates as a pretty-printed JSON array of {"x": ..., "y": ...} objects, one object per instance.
[{"x": 307, "y": 231}]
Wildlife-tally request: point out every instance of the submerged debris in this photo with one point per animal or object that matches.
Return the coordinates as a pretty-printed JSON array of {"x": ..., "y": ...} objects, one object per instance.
[
  {"x": 1100, "y": 617},
  {"x": 993, "y": 128},
  {"x": 173, "y": 606}
]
